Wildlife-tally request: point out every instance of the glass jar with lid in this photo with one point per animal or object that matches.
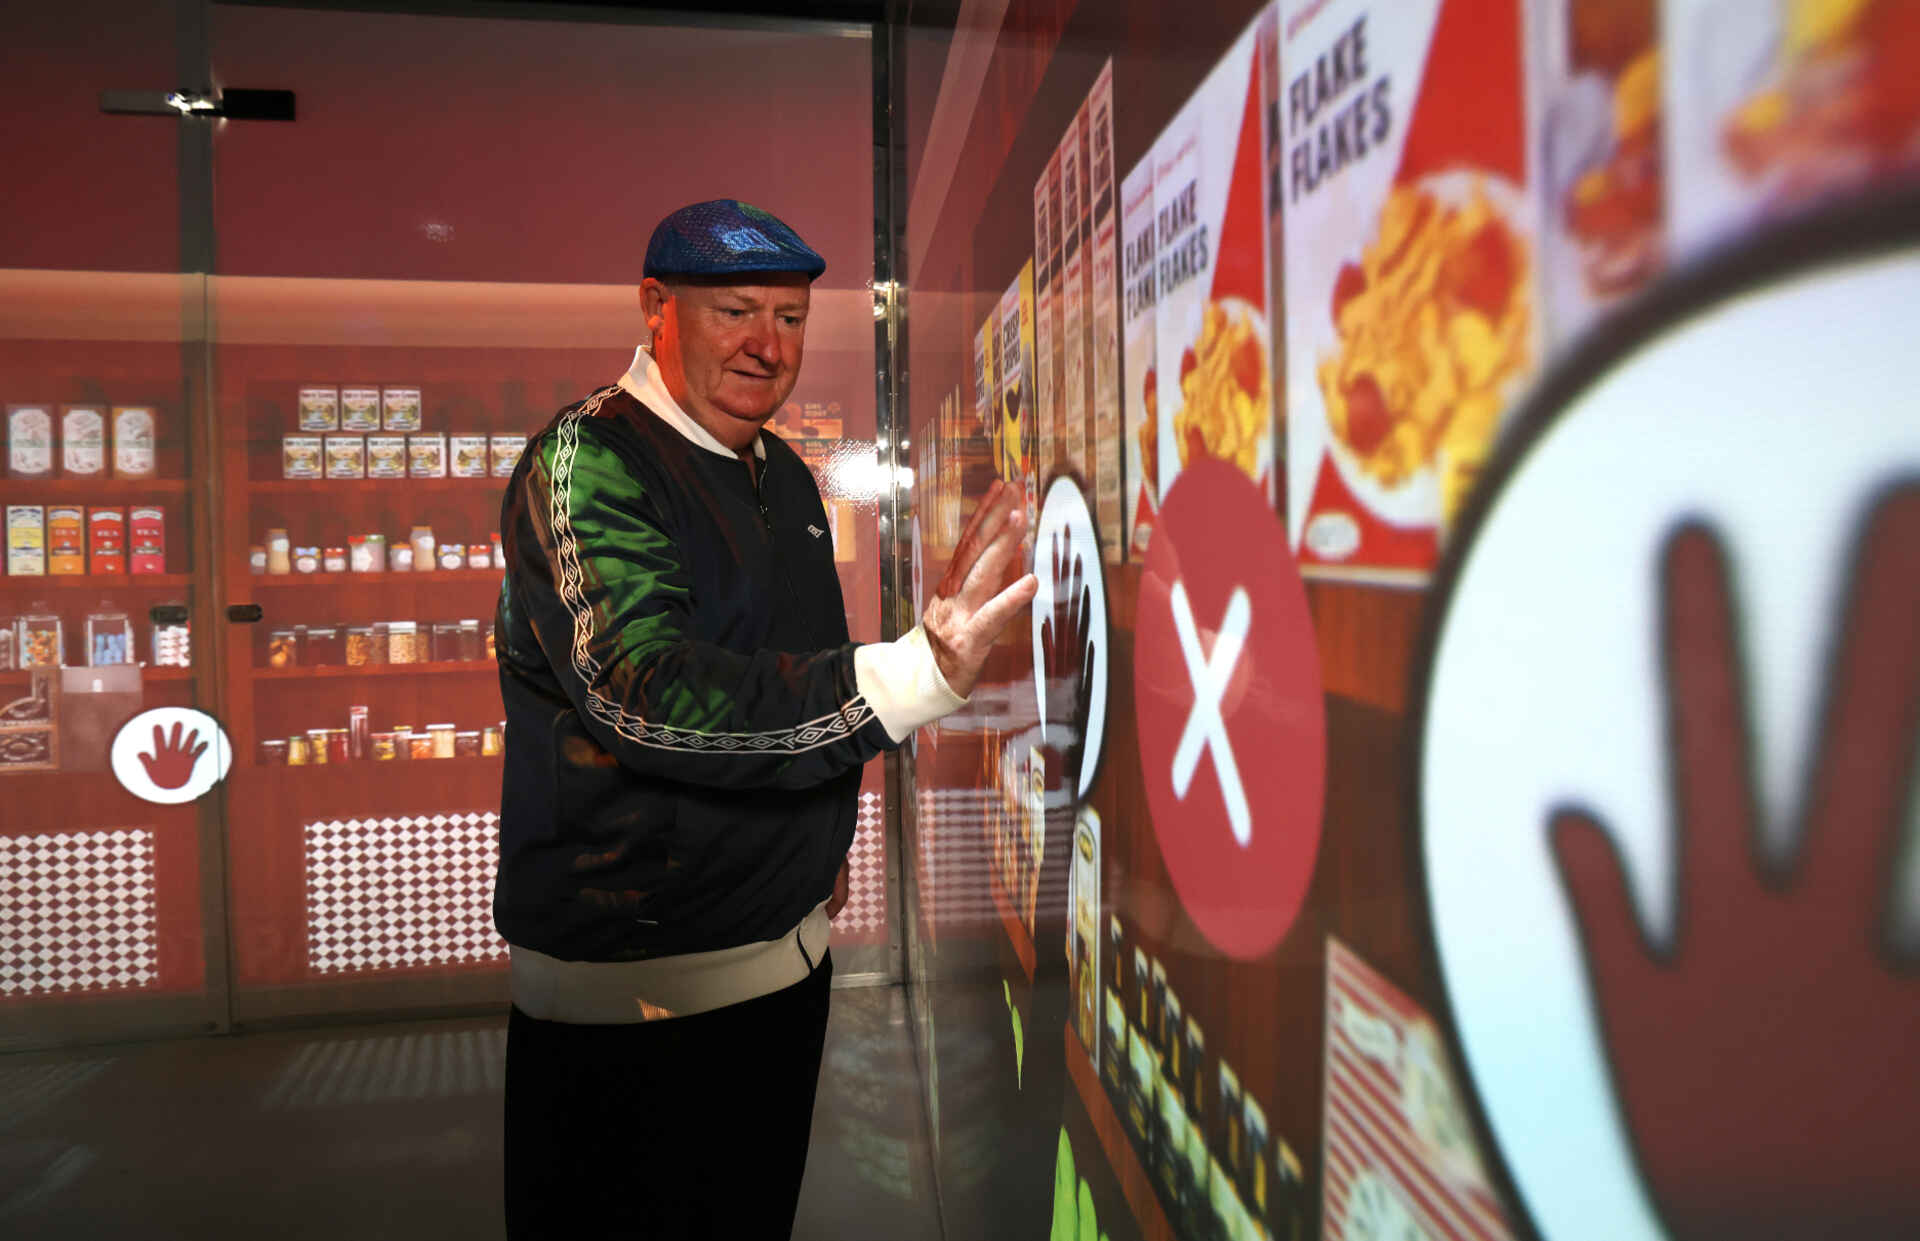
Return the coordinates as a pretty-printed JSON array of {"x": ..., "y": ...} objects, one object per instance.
[
  {"x": 39, "y": 640},
  {"x": 325, "y": 646},
  {"x": 109, "y": 637},
  {"x": 446, "y": 641},
  {"x": 359, "y": 646},
  {"x": 283, "y": 648},
  {"x": 403, "y": 642},
  {"x": 442, "y": 740},
  {"x": 466, "y": 743},
  {"x": 469, "y": 644}
]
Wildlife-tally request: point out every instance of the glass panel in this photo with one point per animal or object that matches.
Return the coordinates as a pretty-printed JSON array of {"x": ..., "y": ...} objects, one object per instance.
[
  {"x": 406, "y": 290},
  {"x": 110, "y": 928}
]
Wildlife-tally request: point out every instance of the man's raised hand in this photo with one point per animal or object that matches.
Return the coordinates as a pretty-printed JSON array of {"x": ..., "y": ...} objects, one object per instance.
[{"x": 969, "y": 608}]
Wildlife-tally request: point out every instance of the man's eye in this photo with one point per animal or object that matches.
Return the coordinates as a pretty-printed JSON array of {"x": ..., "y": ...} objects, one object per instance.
[{"x": 792, "y": 320}]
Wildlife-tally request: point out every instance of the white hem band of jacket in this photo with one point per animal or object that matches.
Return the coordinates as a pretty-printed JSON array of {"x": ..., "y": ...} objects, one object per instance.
[{"x": 900, "y": 680}]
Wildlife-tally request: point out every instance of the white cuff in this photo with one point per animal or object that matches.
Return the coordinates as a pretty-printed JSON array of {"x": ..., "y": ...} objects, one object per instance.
[{"x": 901, "y": 681}]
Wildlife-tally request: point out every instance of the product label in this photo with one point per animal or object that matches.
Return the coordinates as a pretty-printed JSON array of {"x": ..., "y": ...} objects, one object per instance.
[
  {"x": 359, "y": 409},
  {"x": 505, "y": 451},
  {"x": 1596, "y": 151},
  {"x": 1046, "y": 259},
  {"x": 133, "y": 441},
  {"x": 319, "y": 409},
  {"x": 1105, "y": 330},
  {"x": 1140, "y": 399},
  {"x": 83, "y": 441},
  {"x": 386, "y": 456},
  {"x": 1212, "y": 336},
  {"x": 1412, "y": 318},
  {"x": 400, "y": 409},
  {"x": 1072, "y": 415},
  {"x": 107, "y": 540},
  {"x": 148, "y": 539},
  {"x": 427, "y": 456},
  {"x": 468, "y": 456},
  {"x": 301, "y": 456},
  {"x": 346, "y": 456},
  {"x": 66, "y": 540},
  {"x": 29, "y": 441},
  {"x": 26, "y": 540}
]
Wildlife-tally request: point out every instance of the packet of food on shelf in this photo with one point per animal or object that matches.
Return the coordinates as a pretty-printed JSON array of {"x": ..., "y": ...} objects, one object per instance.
[{"x": 1412, "y": 321}]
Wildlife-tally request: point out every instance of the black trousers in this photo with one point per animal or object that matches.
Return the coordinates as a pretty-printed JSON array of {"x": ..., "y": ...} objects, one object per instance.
[{"x": 690, "y": 1127}]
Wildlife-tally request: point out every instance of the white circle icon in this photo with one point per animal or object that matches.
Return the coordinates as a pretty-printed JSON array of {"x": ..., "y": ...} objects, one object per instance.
[
  {"x": 1066, "y": 558},
  {"x": 171, "y": 755}
]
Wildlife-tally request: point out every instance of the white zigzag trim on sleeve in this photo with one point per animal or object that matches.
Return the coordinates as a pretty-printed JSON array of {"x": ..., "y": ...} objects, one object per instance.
[{"x": 810, "y": 735}]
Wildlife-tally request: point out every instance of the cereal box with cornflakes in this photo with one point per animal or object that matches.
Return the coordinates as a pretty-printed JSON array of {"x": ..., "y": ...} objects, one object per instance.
[
  {"x": 1780, "y": 105},
  {"x": 1046, "y": 262},
  {"x": 1103, "y": 223},
  {"x": 1140, "y": 397},
  {"x": 1596, "y": 156},
  {"x": 1212, "y": 344},
  {"x": 1014, "y": 428},
  {"x": 1070, "y": 416},
  {"x": 1412, "y": 320}
]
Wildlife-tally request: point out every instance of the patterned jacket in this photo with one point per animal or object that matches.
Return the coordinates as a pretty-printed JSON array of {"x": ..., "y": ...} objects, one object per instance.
[{"x": 685, "y": 716}]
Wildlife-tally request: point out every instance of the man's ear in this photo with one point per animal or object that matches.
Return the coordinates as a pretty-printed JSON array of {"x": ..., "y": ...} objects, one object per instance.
[{"x": 654, "y": 296}]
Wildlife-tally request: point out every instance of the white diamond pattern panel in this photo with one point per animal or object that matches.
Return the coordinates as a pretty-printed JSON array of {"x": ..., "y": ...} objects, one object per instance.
[
  {"x": 402, "y": 893},
  {"x": 865, "y": 916},
  {"x": 79, "y": 914}
]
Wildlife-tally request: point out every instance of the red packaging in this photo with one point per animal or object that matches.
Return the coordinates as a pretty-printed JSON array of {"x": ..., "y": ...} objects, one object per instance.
[
  {"x": 107, "y": 540},
  {"x": 148, "y": 539}
]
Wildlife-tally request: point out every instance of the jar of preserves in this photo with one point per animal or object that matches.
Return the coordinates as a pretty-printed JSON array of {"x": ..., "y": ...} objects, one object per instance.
[
  {"x": 421, "y": 540},
  {"x": 299, "y": 751},
  {"x": 440, "y": 738},
  {"x": 400, "y": 557},
  {"x": 419, "y": 745},
  {"x": 469, "y": 644},
  {"x": 492, "y": 741},
  {"x": 466, "y": 743},
  {"x": 317, "y": 753},
  {"x": 257, "y": 559},
  {"x": 334, "y": 559},
  {"x": 453, "y": 556},
  {"x": 283, "y": 649},
  {"x": 403, "y": 741},
  {"x": 273, "y": 752},
  {"x": 306, "y": 560},
  {"x": 367, "y": 553},
  {"x": 479, "y": 556},
  {"x": 279, "y": 552},
  {"x": 383, "y": 748},
  {"x": 339, "y": 745}
]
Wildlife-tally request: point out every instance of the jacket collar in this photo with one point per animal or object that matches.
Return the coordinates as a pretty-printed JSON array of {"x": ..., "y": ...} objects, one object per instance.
[{"x": 643, "y": 383}]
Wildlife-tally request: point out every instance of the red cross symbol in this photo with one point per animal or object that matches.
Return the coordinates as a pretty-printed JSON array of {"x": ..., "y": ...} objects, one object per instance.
[{"x": 1232, "y": 724}]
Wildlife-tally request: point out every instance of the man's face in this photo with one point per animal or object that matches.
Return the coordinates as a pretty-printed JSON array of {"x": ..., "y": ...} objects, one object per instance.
[{"x": 729, "y": 353}]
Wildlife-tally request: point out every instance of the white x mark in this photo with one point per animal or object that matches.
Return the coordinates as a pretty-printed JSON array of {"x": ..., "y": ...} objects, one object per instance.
[{"x": 1205, "y": 729}]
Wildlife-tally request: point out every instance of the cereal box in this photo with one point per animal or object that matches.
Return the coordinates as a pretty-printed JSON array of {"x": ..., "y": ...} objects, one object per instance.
[
  {"x": 1070, "y": 419},
  {"x": 1104, "y": 322},
  {"x": 1046, "y": 261},
  {"x": 1212, "y": 337},
  {"x": 1778, "y": 105},
  {"x": 1140, "y": 398},
  {"x": 1014, "y": 427},
  {"x": 1412, "y": 321},
  {"x": 1596, "y": 156}
]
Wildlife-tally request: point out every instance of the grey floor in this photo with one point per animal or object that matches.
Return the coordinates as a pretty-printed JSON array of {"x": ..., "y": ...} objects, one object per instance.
[{"x": 385, "y": 1131}]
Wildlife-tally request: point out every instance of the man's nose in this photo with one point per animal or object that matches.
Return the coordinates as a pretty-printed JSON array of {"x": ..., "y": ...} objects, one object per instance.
[{"x": 763, "y": 342}]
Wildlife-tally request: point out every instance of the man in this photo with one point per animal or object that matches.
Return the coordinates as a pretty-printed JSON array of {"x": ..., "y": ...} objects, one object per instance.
[{"x": 686, "y": 722}]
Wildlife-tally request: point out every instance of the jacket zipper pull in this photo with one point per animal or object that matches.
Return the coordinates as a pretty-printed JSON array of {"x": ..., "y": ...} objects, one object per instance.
[{"x": 766, "y": 518}]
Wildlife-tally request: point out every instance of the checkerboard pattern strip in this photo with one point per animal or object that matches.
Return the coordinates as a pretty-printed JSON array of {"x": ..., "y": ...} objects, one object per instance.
[
  {"x": 79, "y": 914},
  {"x": 865, "y": 917},
  {"x": 955, "y": 857},
  {"x": 401, "y": 893}
]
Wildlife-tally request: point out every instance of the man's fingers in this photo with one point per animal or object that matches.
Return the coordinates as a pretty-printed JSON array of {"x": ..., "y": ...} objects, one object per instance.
[
  {"x": 983, "y": 578},
  {"x": 987, "y": 522},
  {"x": 991, "y": 617}
]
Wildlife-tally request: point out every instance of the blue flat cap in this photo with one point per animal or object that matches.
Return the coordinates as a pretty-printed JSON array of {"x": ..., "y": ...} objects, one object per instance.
[{"x": 725, "y": 236}]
